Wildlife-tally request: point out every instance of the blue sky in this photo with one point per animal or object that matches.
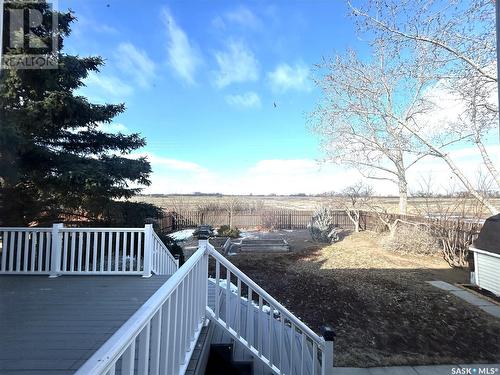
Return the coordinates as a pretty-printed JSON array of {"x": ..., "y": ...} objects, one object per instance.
[{"x": 220, "y": 89}]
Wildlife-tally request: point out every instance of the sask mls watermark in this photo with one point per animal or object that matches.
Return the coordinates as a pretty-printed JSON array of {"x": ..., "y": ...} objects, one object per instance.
[
  {"x": 29, "y": 34},
  {"x": 476, "y": 370}
]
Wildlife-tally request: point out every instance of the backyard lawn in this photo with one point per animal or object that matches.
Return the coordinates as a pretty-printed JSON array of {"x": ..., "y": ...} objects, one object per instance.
[{"x": 378, "y": 302}]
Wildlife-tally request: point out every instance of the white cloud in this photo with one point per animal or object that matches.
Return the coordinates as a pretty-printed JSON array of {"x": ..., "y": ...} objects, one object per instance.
[
  {"x": 236, "y": 64},
  {"x": 101, "y": 87},
  {"x": 241, "y": 16},
  {"x": 135, "y": 63},
  {"x": 291, "y": 176},
  {"x": 286, "y": 77},
  {"x": 183, "y": 57},
  {"x": 247, "y": 100}
]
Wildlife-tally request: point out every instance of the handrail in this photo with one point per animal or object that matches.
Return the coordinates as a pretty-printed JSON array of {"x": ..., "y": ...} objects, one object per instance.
[
  {"x": 105, "y": 358},
  {"x": 255, "y": 287},
  {"x": 163, "y": 247}
]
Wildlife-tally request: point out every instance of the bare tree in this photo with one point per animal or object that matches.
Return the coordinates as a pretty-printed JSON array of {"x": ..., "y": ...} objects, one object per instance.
[
  {"x": 361, "y": 120},
  {"x": 455, "y": 43},
  {"x": 231, "y": 205},
  {"x": 355, "y": 198}
]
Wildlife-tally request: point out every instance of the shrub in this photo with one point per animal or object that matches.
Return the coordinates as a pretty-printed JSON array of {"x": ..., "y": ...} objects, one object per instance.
[
  {"x": 412, "y": 239},
  {"x": 226, "y": 231},
  {"x": 322, "y": 226},
  {"x": 174, "y": 248}
]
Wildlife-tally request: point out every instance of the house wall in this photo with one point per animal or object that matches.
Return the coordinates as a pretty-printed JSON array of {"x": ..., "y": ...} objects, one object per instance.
[{"x": 488, "y": 272}]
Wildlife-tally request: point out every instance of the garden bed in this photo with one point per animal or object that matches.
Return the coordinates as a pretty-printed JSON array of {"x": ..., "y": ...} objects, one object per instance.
[{"x": 378, "y": 302}]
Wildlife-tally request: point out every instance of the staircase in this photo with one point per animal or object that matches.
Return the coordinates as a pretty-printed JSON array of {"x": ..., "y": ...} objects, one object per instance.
[
  {"x": 221, "y": 362},
  {"x": 252, "y": 326}
]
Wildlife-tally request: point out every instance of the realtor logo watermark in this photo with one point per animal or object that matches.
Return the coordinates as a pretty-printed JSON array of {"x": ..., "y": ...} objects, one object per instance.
[
  {"x": 473, "y": 370},
  {"x": 29, "y": 37}
]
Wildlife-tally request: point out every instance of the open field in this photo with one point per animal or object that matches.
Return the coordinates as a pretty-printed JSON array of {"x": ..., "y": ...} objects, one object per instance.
[
  {"x": 419, "y": 206},
  {"x": 383, "y": 311}
]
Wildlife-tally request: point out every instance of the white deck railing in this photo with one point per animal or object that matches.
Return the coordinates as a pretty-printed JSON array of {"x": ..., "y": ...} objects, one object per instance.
[
  {"x": 160, "y": 337},
  {"x": 165, "y": 329},
  {"x": 265, "y": 327},
  {"x": 84, "y": 251}
]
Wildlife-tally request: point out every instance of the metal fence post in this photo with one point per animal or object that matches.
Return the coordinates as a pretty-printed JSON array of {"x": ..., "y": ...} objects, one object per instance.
[
  {"x": 55, "y": 250},
  {"x": 148, "y": 250},
  {"x": 329, "y": 336}
]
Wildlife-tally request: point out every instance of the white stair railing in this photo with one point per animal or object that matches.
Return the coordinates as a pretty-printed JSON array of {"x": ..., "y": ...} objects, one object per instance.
[
  {"x": 163, "y": 262},
  {"x": 161, "y": 336},
  {"x": 263, "y": 326}
]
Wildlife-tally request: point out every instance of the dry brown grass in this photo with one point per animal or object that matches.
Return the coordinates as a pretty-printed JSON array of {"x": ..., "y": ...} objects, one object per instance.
[
  {"x": 415, "y": 205},
  {"x": 382, "y": 309}
]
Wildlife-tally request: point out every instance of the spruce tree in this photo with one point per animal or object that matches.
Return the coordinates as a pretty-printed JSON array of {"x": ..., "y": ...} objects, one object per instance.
[{"x": 55, "y": 161}]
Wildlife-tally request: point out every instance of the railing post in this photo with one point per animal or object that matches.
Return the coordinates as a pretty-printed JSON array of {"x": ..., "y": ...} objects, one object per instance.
[
  {"x": 329, "y": 337},
  {"x": 55, "y": 250},
  {"x": 148, "y": 250}
]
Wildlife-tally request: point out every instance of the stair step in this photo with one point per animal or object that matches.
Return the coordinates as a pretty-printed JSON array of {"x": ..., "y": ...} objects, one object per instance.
[{"x": 221, "y": 362}]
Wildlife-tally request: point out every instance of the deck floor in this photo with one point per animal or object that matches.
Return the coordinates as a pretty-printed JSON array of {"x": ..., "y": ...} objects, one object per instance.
[{"x": 52, "y": 326}]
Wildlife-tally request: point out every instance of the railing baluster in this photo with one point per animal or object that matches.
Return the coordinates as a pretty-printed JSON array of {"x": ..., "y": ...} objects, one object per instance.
[
  {"x": 18, "y": 251},
  {"x": 139, "y": 251},
  {"x": 228, "y": 296},
  {"x": 282, "y": 342},
  {"x": 4, "y": 251},
  {"x": 143, "y": 355},
  {"x": 80, "y": 250},
  {"x": 72, "y": 260},
  {"x": 33, "y": 253},
  {"x": 110, "y": 250},
  {"x": 165, "y": 344},
  {"x": 132, "y": 251},
  {"x": 155, "y": 342},
  {"x": 217, "y": 288},
  {"x": 260, "y": 341},
  {"x": 250, "y": 319},
  {"x": 175, "y": 332},
  {"x": 314, "y": 358},
  {"x": 124, "y": 258},
  {"x": 128, "y": 360},
  {"x": 87, "y": 251},
  {"x": 65, "y": 252},
  {"x": 25, "y": 236},
  {"x": 47, "y": 251},
  {"x": 117, "y": 250},
  {"x": 11, "y": 250},
  {"x": 238, "y": 309},
  {"x": 270, "y": 338},
  {"x": 94, "y": 253},
  {"x": 101, "y": 261},
  {"x": 41, "y": 252},
  {"x": 303, "y": 353}
]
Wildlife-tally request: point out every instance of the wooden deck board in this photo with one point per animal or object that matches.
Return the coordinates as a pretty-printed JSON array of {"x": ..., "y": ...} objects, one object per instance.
[{"x": 52, "y": 326}]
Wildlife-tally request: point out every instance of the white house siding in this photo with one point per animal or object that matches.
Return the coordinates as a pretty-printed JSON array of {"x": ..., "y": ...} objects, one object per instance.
[{"x": 488, "y": 272}]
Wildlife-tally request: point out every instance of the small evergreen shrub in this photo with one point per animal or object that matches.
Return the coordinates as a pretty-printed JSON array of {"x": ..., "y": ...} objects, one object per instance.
[
  {"x": 226, "y": 231},
  {"x": 174, "y": 248}
]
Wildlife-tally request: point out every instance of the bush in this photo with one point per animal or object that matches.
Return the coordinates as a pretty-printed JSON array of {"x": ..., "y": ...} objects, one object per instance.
[
  {"x": 226, "y": 231},
  {"x": 174, "y": 248},
  {"x": 322, "y": 226},
  {"x": 411, "y": 239}
]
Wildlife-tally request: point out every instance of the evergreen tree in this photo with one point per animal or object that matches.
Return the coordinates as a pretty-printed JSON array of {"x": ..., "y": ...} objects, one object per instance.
[{"x": 55, "y": 161}]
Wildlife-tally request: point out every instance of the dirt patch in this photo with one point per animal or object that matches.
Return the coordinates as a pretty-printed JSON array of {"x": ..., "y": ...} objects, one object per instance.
[{"x": 378, "y": 302}]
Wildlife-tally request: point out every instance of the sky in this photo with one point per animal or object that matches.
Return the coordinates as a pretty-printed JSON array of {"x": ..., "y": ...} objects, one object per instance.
[{"x": 223, "y": 90}]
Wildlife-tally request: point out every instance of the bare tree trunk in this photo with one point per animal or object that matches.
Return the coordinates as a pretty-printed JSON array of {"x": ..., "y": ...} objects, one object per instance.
[
  {"x": 488, "y": 163},
  {"x": 403, "y": 197}
]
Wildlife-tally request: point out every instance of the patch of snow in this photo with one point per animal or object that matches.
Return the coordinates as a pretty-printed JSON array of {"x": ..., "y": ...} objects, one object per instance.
[
  {"x": 182, "y": 235},
  {"x": 249, "y": 235}
]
